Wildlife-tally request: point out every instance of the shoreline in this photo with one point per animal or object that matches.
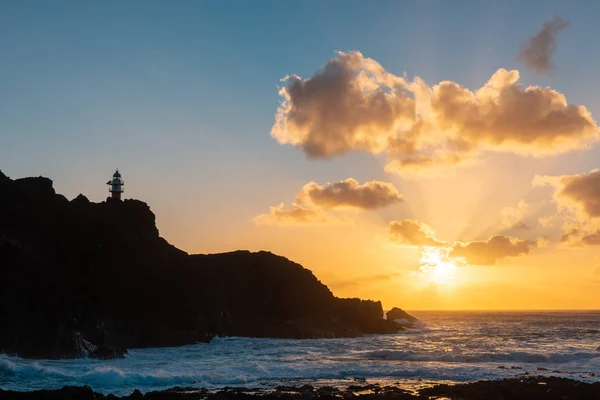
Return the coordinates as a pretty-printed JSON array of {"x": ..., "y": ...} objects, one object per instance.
[{"x": 526, "y": 387}]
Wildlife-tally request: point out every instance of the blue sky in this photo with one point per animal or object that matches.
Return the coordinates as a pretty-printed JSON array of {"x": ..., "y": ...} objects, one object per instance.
[{"x": 181, "y": 95}]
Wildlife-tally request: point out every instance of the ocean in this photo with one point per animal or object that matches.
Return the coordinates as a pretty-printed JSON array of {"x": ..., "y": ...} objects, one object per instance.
[{"x": 447, "y": 347}]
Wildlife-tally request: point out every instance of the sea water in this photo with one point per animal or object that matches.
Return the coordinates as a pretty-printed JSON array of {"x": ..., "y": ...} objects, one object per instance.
[{"x": 447, "y": 347}]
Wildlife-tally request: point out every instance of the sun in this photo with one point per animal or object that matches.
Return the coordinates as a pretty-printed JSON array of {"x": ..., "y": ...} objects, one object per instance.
[{"x": 437, "y": 267}]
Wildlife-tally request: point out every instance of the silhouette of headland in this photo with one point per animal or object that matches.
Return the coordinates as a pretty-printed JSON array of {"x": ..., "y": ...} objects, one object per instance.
[{"x": 79, "y": 279}]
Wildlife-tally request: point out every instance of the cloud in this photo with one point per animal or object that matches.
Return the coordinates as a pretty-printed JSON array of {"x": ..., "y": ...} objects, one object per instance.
[
  {"x": 583, "y": 191},
  {"x": 512, "y": 217},
  {"x": 581, "y": 237},
  {"x": 350, "y": 194},
  {"x": 578, "y": 205},
  {"x": 476, "y": 252},
  {"x": 296, "y": 215},
  {"x": 538, "y": 51},
  {"x": 489, "y": 251},
  {"x": 547, "y": 220},
  {"x": 413, "y": 233},
  {"x": 354, "y": 104},
  {"x": 314, "y": 200},
  {"x": 579, "y": 192}
]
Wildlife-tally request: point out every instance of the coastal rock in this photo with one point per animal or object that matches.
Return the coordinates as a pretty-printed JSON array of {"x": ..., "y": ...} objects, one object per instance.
[
  {"x": 526, "y": 388},
  {"x": 530, "y": 388},
  {"x": 401, "y": 318},
  {"x": 79, "y": 278}
]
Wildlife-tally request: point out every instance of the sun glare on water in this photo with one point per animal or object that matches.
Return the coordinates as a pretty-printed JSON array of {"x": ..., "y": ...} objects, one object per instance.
[{"x": 437, "y": 267}]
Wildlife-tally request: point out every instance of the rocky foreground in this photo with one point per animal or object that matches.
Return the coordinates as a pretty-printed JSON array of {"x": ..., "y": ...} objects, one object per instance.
[
  {"x": 84, "y": 279},
  {"x": 531, "y": 388}
]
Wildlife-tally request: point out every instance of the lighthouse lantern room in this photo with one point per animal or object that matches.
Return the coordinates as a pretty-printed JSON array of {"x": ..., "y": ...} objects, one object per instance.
[{"x": 116, "y": 185}]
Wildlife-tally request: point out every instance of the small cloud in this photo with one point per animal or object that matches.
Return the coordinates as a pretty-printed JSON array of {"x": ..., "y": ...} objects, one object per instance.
[
  {"x": 579, "y": 193},
  {"x": 350, "y": 194},
  {"x": 489, "y": 251},
  {"x": 543, "y": 242},
  {"x": 314, "y": 200},
  {"x": 413, "y": 233},
  {"x": 581, "y": 237},
  {"x": 297, "y": 215},
  {"x": 512, "y": 217},
  {"x": 547, "y": 220},
  {"x": 538, "y": 51}
]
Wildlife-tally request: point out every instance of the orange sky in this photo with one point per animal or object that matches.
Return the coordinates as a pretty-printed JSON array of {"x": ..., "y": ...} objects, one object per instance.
[{"x": 483, "y": 199}]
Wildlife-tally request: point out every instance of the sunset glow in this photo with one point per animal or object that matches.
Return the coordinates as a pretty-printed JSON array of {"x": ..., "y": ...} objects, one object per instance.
[{"x": 437, "y": 267}]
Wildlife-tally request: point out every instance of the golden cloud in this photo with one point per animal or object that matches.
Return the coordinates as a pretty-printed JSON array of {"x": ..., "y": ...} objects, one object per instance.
[
  {"x": 413, "y": 233},
  {"x": 578, "y": 205},
  {"x": 354, "y": 104},
  {"x": 350, "y": 194},
  {"x": 489, "y": 251},
  {"x": 512, "y": 217},
  {"x": 313, "y": 199},
  {"x": 579, "y": 193},
  {"x": 295, "y": 215},
  {"x": 538, "y": 51}
]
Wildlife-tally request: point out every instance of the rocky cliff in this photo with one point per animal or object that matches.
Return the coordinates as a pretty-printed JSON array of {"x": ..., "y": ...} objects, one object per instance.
[{"x": 87, "y": 279}]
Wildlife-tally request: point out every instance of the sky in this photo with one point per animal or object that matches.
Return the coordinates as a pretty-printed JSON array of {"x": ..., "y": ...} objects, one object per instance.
[{"x": 428, "y": 154}]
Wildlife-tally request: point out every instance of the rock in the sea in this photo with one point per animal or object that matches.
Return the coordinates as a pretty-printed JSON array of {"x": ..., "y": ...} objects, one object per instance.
[{"x": 401, "y": 318}]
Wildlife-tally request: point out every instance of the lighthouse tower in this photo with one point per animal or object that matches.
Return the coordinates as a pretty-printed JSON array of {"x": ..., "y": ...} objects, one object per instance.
[{"x": 116, "y": 185}]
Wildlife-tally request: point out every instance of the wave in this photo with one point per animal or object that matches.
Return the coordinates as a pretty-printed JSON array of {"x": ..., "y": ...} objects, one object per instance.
[
  {"x": 114, "y": 377},
  {"x": 518, "y": 356}
]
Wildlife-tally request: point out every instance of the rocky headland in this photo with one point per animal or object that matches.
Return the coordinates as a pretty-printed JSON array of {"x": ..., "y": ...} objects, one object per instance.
[{"x": 80, "y": 279}]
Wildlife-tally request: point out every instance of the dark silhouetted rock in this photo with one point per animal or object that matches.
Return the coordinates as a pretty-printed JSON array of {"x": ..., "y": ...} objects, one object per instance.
[
  {"x": 79, "y": 278},
  {"x": 401, "y": 318},
  {"x": 530, "y": 388}
]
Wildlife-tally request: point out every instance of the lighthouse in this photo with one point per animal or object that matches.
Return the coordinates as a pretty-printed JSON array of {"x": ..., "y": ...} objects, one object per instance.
[{"x": 116, "y": 185}]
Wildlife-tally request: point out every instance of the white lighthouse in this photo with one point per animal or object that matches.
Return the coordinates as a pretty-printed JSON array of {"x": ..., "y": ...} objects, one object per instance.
[{"x": 116, "y": 185}]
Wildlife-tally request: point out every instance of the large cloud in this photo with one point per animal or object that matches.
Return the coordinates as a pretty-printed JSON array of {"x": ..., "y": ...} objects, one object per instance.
[
  {"x": 313, "y": 200},
  {"x": 489, "y": 251},
  {"x": 538, "y": 51},
  {"x": 413, "y": 233},
  {"x": 354, "y": 104}
]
